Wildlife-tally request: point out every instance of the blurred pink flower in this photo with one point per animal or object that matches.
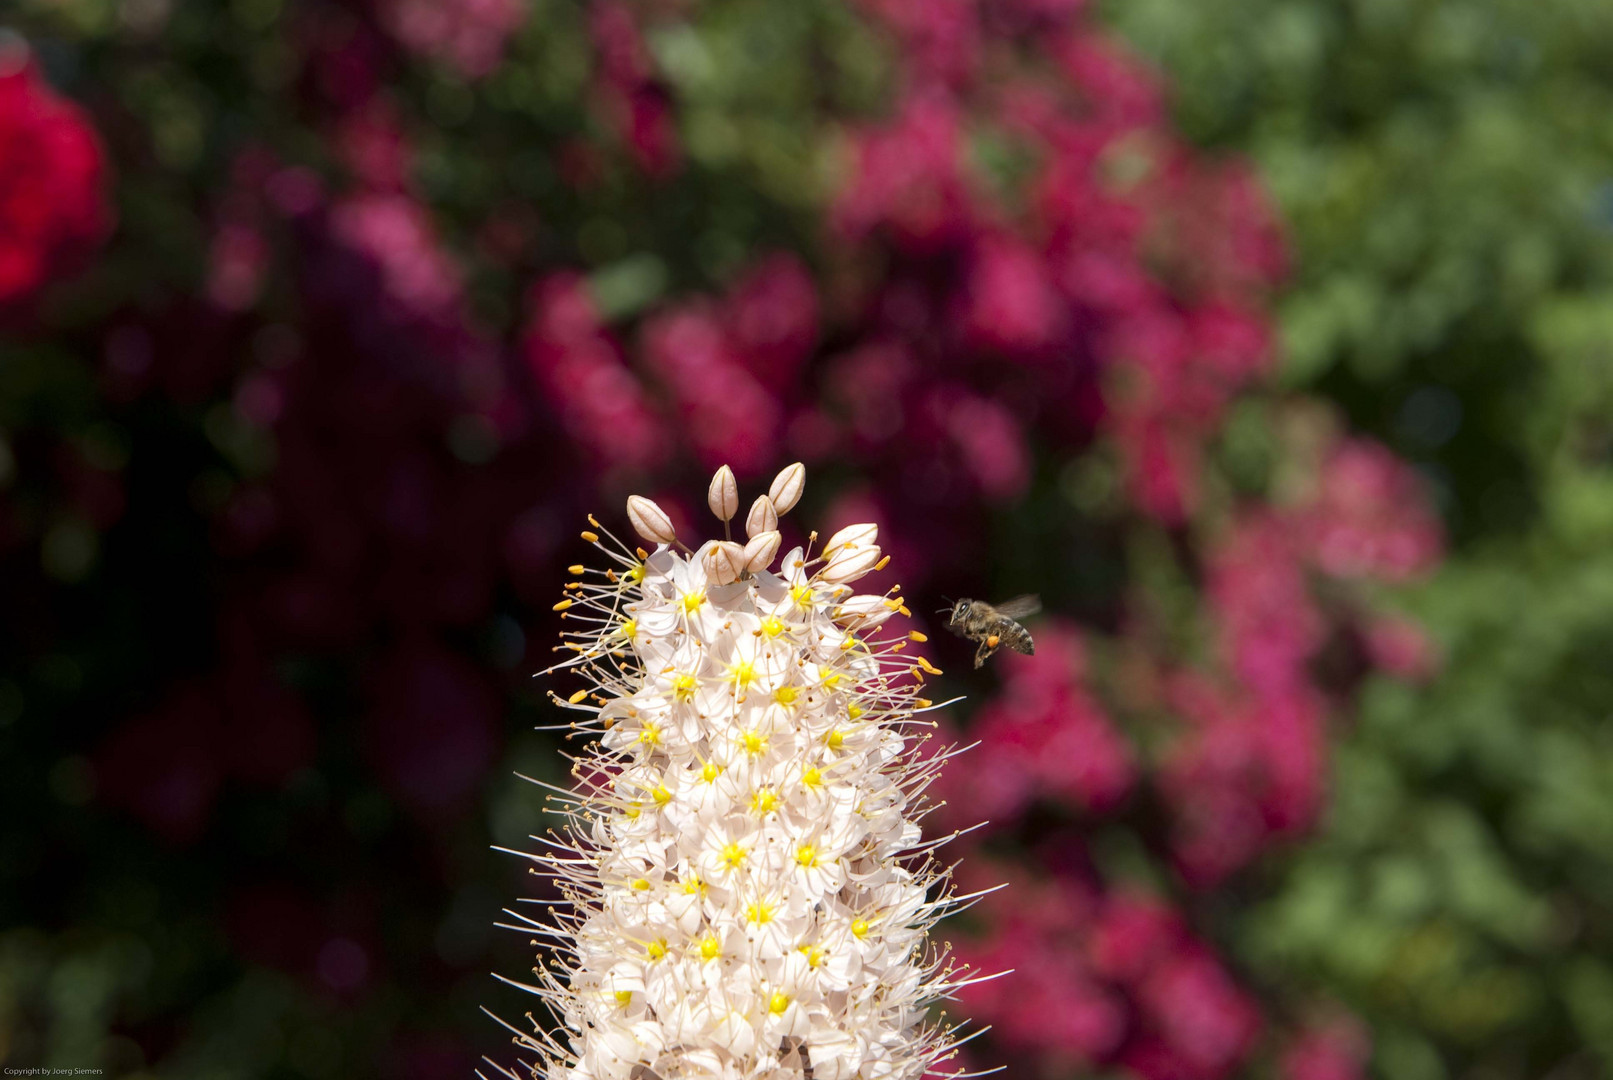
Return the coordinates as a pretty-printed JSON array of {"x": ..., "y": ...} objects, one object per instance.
[
  {"x": 469, "y": 34},
  {"x": 52, "y": 206},
  {"x": 1371, "y": 517}
]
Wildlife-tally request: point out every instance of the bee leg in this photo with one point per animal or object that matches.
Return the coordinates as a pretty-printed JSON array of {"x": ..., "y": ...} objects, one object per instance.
[{"x": 983, "y": 653}]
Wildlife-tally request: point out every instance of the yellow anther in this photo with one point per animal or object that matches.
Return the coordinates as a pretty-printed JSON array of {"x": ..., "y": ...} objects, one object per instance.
[
  {"x": 628, "y": 629},
  {"x": 906, "y": 611},
  {"x": 684, "y": 686},
  {"x": 624, "y": 997},
  {"x": 592, "y": 538},
  {"x": 642, "y": 884},
  {"x": 849, "y": 644},
  {"x": 710, "y": 948},
  {"x": 753, "y": 742},
  {"x": 662, "y": 795},
  {"x": 692, "y": 601},
  {"x": 759, "y": 913},
  {"x": 853, "y": 711},
  {"x": 650, "y": 734},
  {"x": 881, "y": 564},
  {"x": 592, "y": 520},
  {"x": 578, "y": 696},
  {"x": 928, "y": 667},
  {"x": 923, "y": 702},
  {"x": 732, "y": 855},
  {"x": 802, "y": 596},
  {"x": 778, "y": 1002},
  {"x": 785, "y": 695},
  {"x": 631, "y": 811},
  {"x": 835, "y": 739},
  {"x": 657, "y": 949},
  {"x": 813, "y": 954},
  {"x": 893, "y": 603},
  {"x": 812, "y": 777},
  {"x": 914, "y": 635},
  {"x": 576, "y": 569},
  {"x": 764, "y": 801},
  {"x": 710, "y": 771},
  {"x": 772, "y": 626},
  {"x": 806, "y": 855},
  {"x": 743, "y": 673},
  {"x": 563, "y": 605},
  {"x": 859, "y": 928}
]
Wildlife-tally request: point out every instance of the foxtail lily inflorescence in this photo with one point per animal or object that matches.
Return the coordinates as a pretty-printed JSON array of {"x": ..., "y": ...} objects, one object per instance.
[{"x": 747, "y": 894}]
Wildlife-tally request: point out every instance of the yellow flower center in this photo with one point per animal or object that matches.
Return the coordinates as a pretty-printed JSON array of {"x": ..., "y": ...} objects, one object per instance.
[
  {"x": 641, "y": 884},
  {"x": 632, "y": 811},
  {"x": 650, "y": 734},
  {"x": 693, "y": 885},
  {"x": 684, "y": 686},
  {"x": 778, "y": 1002},
  {"x": 836, "y": 739},
  {"x": 743, "y": 673},
  {"x": 831, "y": 680},
  {"x": 692, "y": 601},
  {"x": 806, "y": 855},
  {"x": 636, "y": 573},
  {"x": 859, "y": 928},
  {"x": 853, "y": 711},
  {"x": 662, "y": 795},
  {"x": 732, "y": 855},
  {"x": 764, "y": 801},
  {"x": 753, "y": 742},
  {"x": 813, "y": 954},
  {"x": 710, "y": 948},
  {"x": 759, "y": 913},
  {"x": 802, "y": 596},
  {"x": 710, "y": 771},
  {"x": 812, "y": 777},
  {"x": 624, "y": 997},
  {"x": 628, "y": 629},
  {"x": 785, "y": 695},
  {"x": 772, "y": 626},
  {"x": 657, "y": 949}
]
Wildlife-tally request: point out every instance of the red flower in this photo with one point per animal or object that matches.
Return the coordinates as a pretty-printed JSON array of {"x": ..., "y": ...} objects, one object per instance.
[{"x": 51, "y": 203}]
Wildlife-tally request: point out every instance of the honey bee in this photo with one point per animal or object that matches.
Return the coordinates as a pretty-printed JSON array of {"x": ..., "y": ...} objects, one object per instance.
[{"x": 994, "y": 625}]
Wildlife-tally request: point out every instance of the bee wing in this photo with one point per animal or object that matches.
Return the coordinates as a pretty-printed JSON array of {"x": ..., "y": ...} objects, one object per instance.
[{"x": 1020, "y": 607}]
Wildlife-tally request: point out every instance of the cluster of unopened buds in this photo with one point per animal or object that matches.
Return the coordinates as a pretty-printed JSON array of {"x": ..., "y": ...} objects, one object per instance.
[{"x": 747, "y": 894}]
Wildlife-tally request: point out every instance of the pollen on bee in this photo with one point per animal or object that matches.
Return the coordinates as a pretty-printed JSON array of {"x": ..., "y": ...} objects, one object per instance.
[{"x": 992, "y": 641}]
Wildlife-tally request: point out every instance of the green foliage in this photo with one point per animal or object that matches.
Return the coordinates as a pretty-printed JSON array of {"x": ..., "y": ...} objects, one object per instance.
[
  {"x": 1447, "y": 173},
  {"x": 1444, "y": 169}
]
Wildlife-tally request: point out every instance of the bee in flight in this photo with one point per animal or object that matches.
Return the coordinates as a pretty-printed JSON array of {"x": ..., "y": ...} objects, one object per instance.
[{"x": 994, "y": 625}]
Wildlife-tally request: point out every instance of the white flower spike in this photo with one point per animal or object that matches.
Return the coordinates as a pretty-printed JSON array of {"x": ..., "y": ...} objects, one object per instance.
[{"x": 746, "y": 893}]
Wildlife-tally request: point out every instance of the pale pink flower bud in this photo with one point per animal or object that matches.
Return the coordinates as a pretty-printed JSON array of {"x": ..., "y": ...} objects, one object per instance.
[
  {"x": 760, "y": 551},
  {"x": 723, "y": 495},
  {"x": 650, "y": 521},
  {"x": 849, "y": 565},
  {"x": 851, "y": 538},
  {"x": 724, "y": 561},
  {"x": 762, "y": 518},
  {"x": 787, "y": 488},
  {"x": 864, "y": 611}
]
